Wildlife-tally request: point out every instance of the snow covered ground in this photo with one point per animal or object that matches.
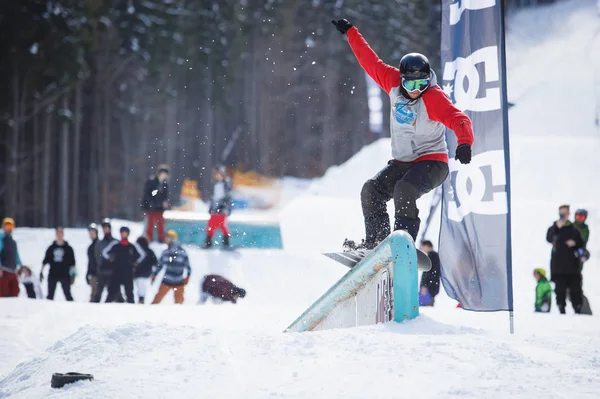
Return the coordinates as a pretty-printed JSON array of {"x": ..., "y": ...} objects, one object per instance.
[{"x": 227, "y": 351}]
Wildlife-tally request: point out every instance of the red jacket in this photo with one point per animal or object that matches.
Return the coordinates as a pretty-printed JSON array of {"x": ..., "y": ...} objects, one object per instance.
[{"x": 417, "y": 126}]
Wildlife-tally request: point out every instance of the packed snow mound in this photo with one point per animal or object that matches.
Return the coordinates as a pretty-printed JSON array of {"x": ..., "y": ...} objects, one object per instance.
[
  {"x": 545, "y": 46},
  {"x": 141, "y": 352}
]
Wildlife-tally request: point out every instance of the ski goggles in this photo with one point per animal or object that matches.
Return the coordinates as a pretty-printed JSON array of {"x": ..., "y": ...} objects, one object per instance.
[
  {"x": 415, "y": 84},
  {"x": 580, "y": 216}
]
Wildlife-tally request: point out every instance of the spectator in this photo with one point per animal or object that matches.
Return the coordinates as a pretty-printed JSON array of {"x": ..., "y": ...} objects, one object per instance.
[
  {"x": 580, "y": 218},
  {"x": 543, "y": 291},
  {"x": 220, "y": 207},
  {"x": 155, "y": 201},
  {"x": 92, "y": 272},
  {"x": 143, "y": 271},
  {"x": 564, "y": 265},
  {"x": 10, "y": 261},
  {"x": 31, "y": 283},
  {"x": 220, "y": 289},
  {"x": 430, "y": 280},
  {"x": 124, "y": 256},
  {"x": 175, "y": 261},
  {"x": 61, "y": 258},
  {"x": 104, "y": 268}
]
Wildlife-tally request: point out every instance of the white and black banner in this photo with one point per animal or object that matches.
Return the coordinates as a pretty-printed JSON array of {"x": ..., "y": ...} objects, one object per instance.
[{"x": 475, "y": 241}]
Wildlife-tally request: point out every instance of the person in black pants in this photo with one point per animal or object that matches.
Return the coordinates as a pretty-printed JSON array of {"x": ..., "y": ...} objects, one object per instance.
[
  {"x": 430, "y": 280},
  {"x": 564, "y": 264},
  {"x": 124, "y": 256},
  {"x": 61, "y": 258}
]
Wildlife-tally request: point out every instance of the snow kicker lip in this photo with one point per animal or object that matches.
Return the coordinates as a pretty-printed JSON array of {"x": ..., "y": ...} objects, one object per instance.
[{"x": 59, "y": 380}]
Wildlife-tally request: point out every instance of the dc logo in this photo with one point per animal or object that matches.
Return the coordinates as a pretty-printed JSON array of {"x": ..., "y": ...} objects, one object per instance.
[
  {"x": 404, "y": 114},
  {"x": 383, "y": 302},
  {"x": 456, "y": 9},
  {"x": 477, "y": 192},
  {"x": 466, "y": 82}
]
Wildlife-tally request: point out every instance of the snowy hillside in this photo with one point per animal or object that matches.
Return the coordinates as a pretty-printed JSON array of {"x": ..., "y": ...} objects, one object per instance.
[{"x": 227, "y": 351}]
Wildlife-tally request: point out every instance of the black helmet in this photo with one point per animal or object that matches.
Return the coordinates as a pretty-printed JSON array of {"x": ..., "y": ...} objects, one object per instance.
[
  {"x": 124, "y": 228},
  {"x": 93, "y": 226},
  {"x": 415, "y": 66},
  {"x": 106, "y": 222},
  {"x": 239, "y": 292}
]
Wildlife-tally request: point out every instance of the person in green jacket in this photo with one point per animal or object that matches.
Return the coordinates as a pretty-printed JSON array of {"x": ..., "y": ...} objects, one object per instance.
[
  {"x": 584, "y": 230},
  {"x": 543, "y": 291}
]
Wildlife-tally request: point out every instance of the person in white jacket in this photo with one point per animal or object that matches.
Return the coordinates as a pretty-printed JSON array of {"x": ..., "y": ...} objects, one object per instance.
[{"x": 31, "y": 283}]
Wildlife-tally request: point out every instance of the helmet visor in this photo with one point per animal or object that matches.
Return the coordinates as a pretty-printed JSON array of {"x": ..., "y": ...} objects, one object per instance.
[{"x": 415, "y": 84}]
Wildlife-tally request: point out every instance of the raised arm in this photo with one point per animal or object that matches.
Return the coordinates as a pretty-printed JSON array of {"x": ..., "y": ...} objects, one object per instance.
[{"x": 386, "y": 76}]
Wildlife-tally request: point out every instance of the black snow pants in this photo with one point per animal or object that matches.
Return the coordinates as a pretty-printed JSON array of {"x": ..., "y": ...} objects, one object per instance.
[
  {"x": 405, "y": 183},
  {"x": 572, "y": 282},
  {"x": 65, "y": 283}
]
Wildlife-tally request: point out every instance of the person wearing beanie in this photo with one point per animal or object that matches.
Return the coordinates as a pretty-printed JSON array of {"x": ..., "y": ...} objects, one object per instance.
[
  {"x": 220, "y": 289},
  {"x": 155, "y": 200},
  {"x": 10, "y": 261},
  {"x": 543, "y": 291},
  {"x": 104, "y": 268},
  {"x": 176, "y": 263},
  {"x": 124, "y": 257}
]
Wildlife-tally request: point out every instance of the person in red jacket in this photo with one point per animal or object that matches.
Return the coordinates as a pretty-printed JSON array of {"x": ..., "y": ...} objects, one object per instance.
[{"x": 420, "y": 114}]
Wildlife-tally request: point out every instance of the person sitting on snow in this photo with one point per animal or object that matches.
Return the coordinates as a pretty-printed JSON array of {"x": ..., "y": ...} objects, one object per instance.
[
  {"x": 543, "y": 291},
  {"x": 220, "y": 289},
  {"x": 30, "y": 282}
]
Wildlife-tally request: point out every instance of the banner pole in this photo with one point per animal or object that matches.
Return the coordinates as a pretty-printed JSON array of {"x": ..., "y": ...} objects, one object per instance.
[{"x": 509, "y": 287}]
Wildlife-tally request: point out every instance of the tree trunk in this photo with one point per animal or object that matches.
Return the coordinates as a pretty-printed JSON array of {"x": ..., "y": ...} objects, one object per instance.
[
  {"x": 46, "y": 167},
  {"x": 76, "y": 153},
  {"x": 37, "y": 192},
  {"x": 64, "y": 164},
  {"x": 106, "y": 171},
  {"x": 13, "y": 146}
]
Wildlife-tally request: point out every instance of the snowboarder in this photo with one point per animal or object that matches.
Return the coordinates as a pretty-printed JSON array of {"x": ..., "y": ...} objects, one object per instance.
[
  {"x": 564, "y": 264},
  {"x": 220, "y": 207},
  {"x": 220, "y": 289},
  {"x": 155, "y": 200},
  {"x": 543, "y": 291},
  {"x": 124, "y": 256},
  {"x": 430, "y": 280},
  {"x": 61, "y": 258},
  {"x": 143, "y": 271},
  {"x": 175, "y": 261},
  {"x": 91, "y": 276},
  {"x": 10, "y": 261},
  {"x": 420, "y": 112},
  {"x": 30, "y": 282}
]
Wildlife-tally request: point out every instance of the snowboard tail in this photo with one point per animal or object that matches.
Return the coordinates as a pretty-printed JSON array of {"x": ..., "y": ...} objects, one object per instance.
[{"x": 352, "y": 258}]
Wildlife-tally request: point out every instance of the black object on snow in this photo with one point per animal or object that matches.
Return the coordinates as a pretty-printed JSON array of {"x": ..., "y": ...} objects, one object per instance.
[{"x": 59, "y": 380}]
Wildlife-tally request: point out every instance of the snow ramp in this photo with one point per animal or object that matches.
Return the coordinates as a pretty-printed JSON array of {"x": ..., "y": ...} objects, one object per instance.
[{"x": 381, "y": 288}]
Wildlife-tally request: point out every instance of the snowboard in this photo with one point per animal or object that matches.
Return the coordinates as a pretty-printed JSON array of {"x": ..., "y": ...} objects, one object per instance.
[
  {"x": 585, "y": 309},
  {"x": 352, "y": 258}
]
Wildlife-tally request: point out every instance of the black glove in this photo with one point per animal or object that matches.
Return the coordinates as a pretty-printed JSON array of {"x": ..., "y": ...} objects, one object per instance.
[
  {"x": 463, "y": 153},
  {"x": 342, "y": 25}
]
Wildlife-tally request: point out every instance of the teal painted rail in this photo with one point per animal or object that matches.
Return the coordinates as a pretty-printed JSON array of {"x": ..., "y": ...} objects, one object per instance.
[{"x": 394, "y": 260}]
